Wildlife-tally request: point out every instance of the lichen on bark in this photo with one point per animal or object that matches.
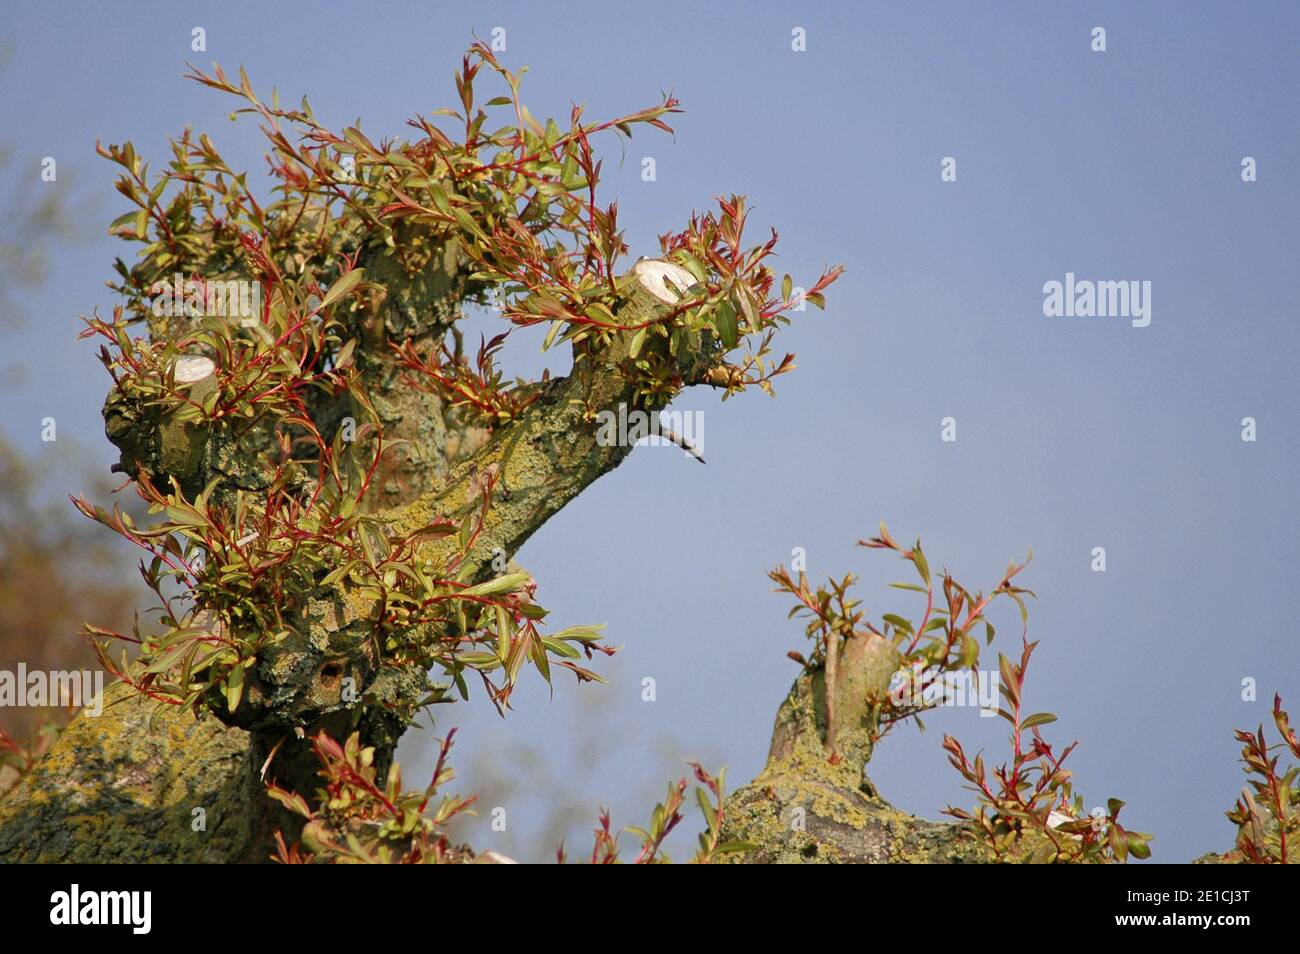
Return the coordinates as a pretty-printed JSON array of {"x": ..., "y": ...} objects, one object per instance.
[
  {"x": 813, "y": 802},
  {"x": 138, "y": 783}
]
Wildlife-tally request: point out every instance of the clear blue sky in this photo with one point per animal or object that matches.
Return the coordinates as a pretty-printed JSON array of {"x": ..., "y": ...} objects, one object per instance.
[{"x": 1072, "y": 433}]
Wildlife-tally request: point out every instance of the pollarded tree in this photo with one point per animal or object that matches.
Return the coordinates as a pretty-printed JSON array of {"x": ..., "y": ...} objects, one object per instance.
[
  {"x": 337, "y": 484},
  {"x": 338, "y": 480}
]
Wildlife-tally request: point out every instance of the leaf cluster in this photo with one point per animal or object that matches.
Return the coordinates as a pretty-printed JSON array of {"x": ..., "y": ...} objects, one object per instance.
[{"x": 1266, "y": 814}]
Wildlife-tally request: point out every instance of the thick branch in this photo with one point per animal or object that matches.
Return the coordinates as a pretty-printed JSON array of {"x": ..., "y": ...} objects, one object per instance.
[
  {"x": 312, "y": 677},
  {"x": 809, "y": 806}
]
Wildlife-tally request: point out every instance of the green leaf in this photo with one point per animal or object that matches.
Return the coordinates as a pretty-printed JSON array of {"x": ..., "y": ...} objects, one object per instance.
[
  {"x": 1137, "y": 844},
  {"x": 506, "y": 583},
  {"x": 337, "y": 574},
  {"x": 186, "y": 516},
  {"x": 560, "y": 648},
  {"x": 290, "y": 800},
  {"x": 481, "y": 661},
  {"x": 582, "y": 634},
  {"x": 900, "y": 624},
  {"x": 342, "y": 288},
  {"x": 1038, "y": 718},
  {"x": 692, "y": 265},
  {"x": 909, "y": 586},
  {"x": 970, "y": 651},
  {"x": 638, "y": 340},
  {"x": 466, "y": 531},
  {"x": 503, "y": 633},
  {"x": 746, "y": 307},
  {"x": 922, "y": 566},
  {"x": 235, "y": 687},
  {"x": 344, "y": 357},
  {"x": 537, "y": 652},
  {"x": 731, "y": 847},
  {"x": 467, "y": 222},
  {"x": 706, "y": 807},
  {"x": 554, "y": 330},
  {"x": 726, "y": 322},
  {"x": 1024, "y": 610},
  {"x": 1008, "y": 672}
]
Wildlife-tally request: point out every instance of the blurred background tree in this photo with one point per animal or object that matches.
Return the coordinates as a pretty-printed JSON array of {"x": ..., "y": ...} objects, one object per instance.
[{"x": 56, "y": 571}]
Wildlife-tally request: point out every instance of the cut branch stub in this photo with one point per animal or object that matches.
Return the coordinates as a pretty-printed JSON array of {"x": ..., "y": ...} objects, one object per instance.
[
  {"x": 666, "y": 282},
  {"x": 154, "y": 441},
  {"x": 805, "y": 807},
  {"x": 193, "y": 369},
  {"x": 836, "y": 739},
  {"x": 182, "y": 446},
  {"x": 867, "y": 663},
  {"x": 652, "y": 285}
]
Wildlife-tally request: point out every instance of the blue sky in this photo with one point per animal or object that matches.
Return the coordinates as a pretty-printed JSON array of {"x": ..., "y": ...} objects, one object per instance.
[{"x": 1072, "y": 433}]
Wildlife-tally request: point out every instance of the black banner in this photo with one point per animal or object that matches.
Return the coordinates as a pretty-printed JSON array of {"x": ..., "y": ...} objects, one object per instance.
[{"x": 143, "y": 904}]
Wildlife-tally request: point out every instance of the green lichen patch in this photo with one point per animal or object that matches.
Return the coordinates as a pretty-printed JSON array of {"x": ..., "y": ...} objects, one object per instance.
[{"x": 136, "y": 784}]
